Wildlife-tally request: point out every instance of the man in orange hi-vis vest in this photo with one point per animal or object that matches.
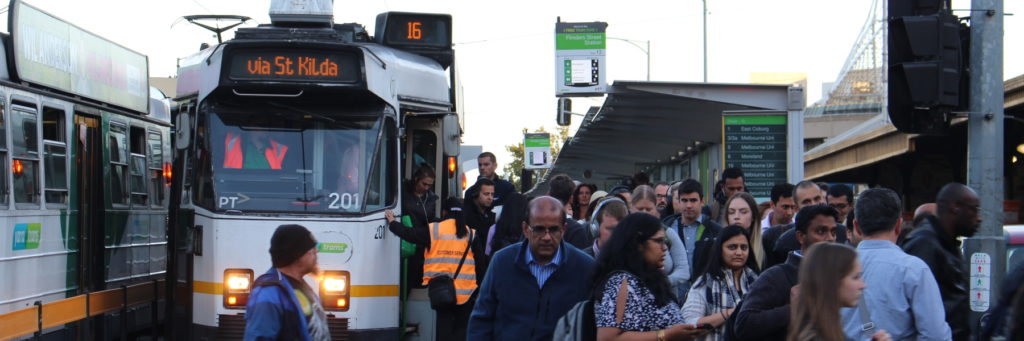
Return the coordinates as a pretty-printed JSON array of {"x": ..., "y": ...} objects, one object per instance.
[
  {"x": 258, "y": 151},
  {"x": 449, "y": 244}
]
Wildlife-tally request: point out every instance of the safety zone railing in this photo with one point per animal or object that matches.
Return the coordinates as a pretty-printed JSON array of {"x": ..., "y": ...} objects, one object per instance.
[{"x": 41, "y": 316}]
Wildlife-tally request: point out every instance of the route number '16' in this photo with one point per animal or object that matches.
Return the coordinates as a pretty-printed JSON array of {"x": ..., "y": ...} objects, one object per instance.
[
  {"x": 413, "y": 30},
  {"x": 344, "y": 201}
]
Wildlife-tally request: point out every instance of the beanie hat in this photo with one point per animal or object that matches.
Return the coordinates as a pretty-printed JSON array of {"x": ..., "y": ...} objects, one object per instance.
[{"x": 289, "y": 243}]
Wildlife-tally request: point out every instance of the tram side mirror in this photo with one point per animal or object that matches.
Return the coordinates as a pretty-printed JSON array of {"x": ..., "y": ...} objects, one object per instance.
[
  {"x": 450, "y": 124},
  {"x": 182, "y": 131}
]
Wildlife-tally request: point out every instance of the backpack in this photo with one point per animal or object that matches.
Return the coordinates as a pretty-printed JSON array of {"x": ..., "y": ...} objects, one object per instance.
[{"x": 577, "y": 324}]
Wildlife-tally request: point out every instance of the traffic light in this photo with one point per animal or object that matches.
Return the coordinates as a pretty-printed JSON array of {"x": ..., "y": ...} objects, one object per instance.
[
  {"x": 927, "y": 65},
  {"x": 564, "y": 117}
]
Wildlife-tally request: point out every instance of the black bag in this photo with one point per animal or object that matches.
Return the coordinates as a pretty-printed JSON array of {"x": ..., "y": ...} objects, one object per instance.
[{"x": 441, "y": 289}]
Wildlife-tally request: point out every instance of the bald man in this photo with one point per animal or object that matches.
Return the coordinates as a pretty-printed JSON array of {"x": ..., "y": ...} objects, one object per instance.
[
  {"x": 934, "y": 240},
  {"x": 530, "y": 284}
]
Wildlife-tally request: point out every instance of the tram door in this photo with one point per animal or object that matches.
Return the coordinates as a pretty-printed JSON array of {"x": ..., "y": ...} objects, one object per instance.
[
  {"x": 89, "y": 171},
  {"x": 422, "y": 146}
]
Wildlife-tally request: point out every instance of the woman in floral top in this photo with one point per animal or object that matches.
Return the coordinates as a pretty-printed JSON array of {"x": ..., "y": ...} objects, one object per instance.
[
  {"x": 633, "y": 299},
  {"x": 716, "y": 293}
]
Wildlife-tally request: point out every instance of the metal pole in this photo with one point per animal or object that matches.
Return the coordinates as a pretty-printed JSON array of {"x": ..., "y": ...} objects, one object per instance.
[
  {"x": 705, "y": 14},
  {"x": 985, "y": 156},
  {"x": 648, "y": 60}
]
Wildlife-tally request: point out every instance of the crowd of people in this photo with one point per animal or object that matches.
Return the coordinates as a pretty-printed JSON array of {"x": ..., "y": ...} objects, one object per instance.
[{"x": 667, "y": 261}]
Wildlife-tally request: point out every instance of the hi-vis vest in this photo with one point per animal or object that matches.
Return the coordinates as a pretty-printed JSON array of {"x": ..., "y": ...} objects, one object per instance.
[
  {"x": 233, "y": 156},
  {"x": 443, "y": 256}
]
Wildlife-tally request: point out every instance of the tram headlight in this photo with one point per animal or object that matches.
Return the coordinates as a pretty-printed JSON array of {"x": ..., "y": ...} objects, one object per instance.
[
  {"x": 334, "y": 290},
  {"x": 237, "y": 285}
]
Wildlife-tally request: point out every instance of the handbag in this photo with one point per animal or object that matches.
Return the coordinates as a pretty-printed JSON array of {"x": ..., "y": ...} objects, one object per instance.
[{"x": 441, "y": 289}]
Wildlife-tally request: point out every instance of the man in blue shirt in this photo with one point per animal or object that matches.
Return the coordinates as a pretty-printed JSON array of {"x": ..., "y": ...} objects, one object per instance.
[
  {"x": 529, "y": 285},
  {"x": 902, "y": 296}
]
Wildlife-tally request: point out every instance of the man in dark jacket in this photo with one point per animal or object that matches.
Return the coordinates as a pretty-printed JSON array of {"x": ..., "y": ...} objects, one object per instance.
[
  {"x": 487, "y": 164},
  {"x": 477, "y": 215},
  {"x": 561, "y": 187},
  {"x": 934, "y": 241},
  {"x": 275, "y": 311},
  {"x": 533, "y": 283},
  {"x": 698, "y": 236},
  {"x": 779, "y": 241},
  {"x": 765, "y": 311}
]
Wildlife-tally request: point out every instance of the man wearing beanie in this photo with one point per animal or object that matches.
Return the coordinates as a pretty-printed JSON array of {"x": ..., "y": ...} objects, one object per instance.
[{"x": 282, "y": 306}]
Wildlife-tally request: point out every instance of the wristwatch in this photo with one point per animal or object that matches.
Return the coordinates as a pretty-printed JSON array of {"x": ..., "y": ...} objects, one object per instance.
[{"x": 661, "y": 335}]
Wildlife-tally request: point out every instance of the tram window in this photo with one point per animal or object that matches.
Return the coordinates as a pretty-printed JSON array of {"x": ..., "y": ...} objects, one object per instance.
[
  {"x": 25, "y": 158},
  {"x": 55, "y": 165},
  {"x": 315, "y": 160},
  {"x": 381, "y": 192},
  {"x": 156, "y": 160},
  {"x": 24, "y": 135},
  {"x": 117, "y": 145},
  {"x": 137, "y": 166},
  {"x": 54, "y": 158},
  {"x": 424, "y": 148},
  {"x": 3, "y": 127},
  {"x": 4, "y": 187},
  {"x": 53, "y": 124}
]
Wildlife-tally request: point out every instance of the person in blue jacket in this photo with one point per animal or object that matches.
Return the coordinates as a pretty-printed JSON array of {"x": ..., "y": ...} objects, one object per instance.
[
  {"x": 282, "y": 306},
  {"x": 529, "y": 285}
]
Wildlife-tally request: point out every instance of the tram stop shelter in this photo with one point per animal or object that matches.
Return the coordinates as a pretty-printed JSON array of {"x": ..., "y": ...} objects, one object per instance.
[{"x": 669, "y": 130}]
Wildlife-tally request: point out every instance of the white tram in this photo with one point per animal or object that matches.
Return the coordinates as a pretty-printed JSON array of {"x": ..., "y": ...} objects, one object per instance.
[{"x": 343, "y": 118}]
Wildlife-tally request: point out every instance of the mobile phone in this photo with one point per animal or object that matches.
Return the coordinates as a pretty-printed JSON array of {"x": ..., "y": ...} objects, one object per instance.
[{"x": 707, "y": 326}]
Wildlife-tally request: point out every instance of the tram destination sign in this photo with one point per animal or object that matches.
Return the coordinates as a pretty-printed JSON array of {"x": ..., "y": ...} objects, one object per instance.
[
  {"x": 53, "y": 53},
  {"x": 295, "y": 65},
  {"x": 755, "y": 142}
]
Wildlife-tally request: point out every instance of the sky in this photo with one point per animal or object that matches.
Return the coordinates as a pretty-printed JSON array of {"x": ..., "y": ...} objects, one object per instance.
[{"x": 505, "y": 49}]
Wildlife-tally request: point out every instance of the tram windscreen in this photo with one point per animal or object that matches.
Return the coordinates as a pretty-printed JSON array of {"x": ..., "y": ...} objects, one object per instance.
[{"x": 275, "y": 158}]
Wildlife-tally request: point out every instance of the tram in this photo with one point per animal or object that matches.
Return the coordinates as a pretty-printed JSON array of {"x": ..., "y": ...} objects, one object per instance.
[
  {"x": 304, "y": 121},
  {"x": 84, "y": 188}
]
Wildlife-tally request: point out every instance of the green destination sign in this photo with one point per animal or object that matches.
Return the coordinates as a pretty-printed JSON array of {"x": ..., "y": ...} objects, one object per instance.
[
  {"x": 755, "y": 120},
  {"x": 580, "y": 41}
]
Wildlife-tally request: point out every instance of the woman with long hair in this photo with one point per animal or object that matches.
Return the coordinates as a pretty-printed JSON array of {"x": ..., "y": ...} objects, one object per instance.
[
  {"x": 741, "y": 209},
  {"x": 830, "y": 279},
  {"x": 632, "y": 297},
  {"x": 677, "y": 267},
  {"x": 581, "y": 201},
  {"x": 508, "y": 229},
  {"x": 715, "y": 294}
]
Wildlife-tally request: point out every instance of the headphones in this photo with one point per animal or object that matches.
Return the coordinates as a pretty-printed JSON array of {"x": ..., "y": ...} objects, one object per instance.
[{"x": 594, "y": 225}]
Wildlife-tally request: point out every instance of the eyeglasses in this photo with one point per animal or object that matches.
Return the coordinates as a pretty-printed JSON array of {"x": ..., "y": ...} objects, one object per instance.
[
  {"x": 541, "y": 230},
  {"x": 661, "y": 241}
]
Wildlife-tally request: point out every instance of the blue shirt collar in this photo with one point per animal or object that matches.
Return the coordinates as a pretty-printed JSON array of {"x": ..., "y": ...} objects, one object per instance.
[
  {"x": 876, "y": 244},
  {"x": 556, "y": 261}
]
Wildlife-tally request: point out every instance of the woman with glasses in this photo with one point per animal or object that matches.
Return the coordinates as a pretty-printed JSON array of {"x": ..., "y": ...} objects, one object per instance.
[
  {"x": 715, "y": 294},
  {"x": 632, "y": 297},
  {"x": 677, "y": 268},
  {"x": 741, "y": 209}
]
